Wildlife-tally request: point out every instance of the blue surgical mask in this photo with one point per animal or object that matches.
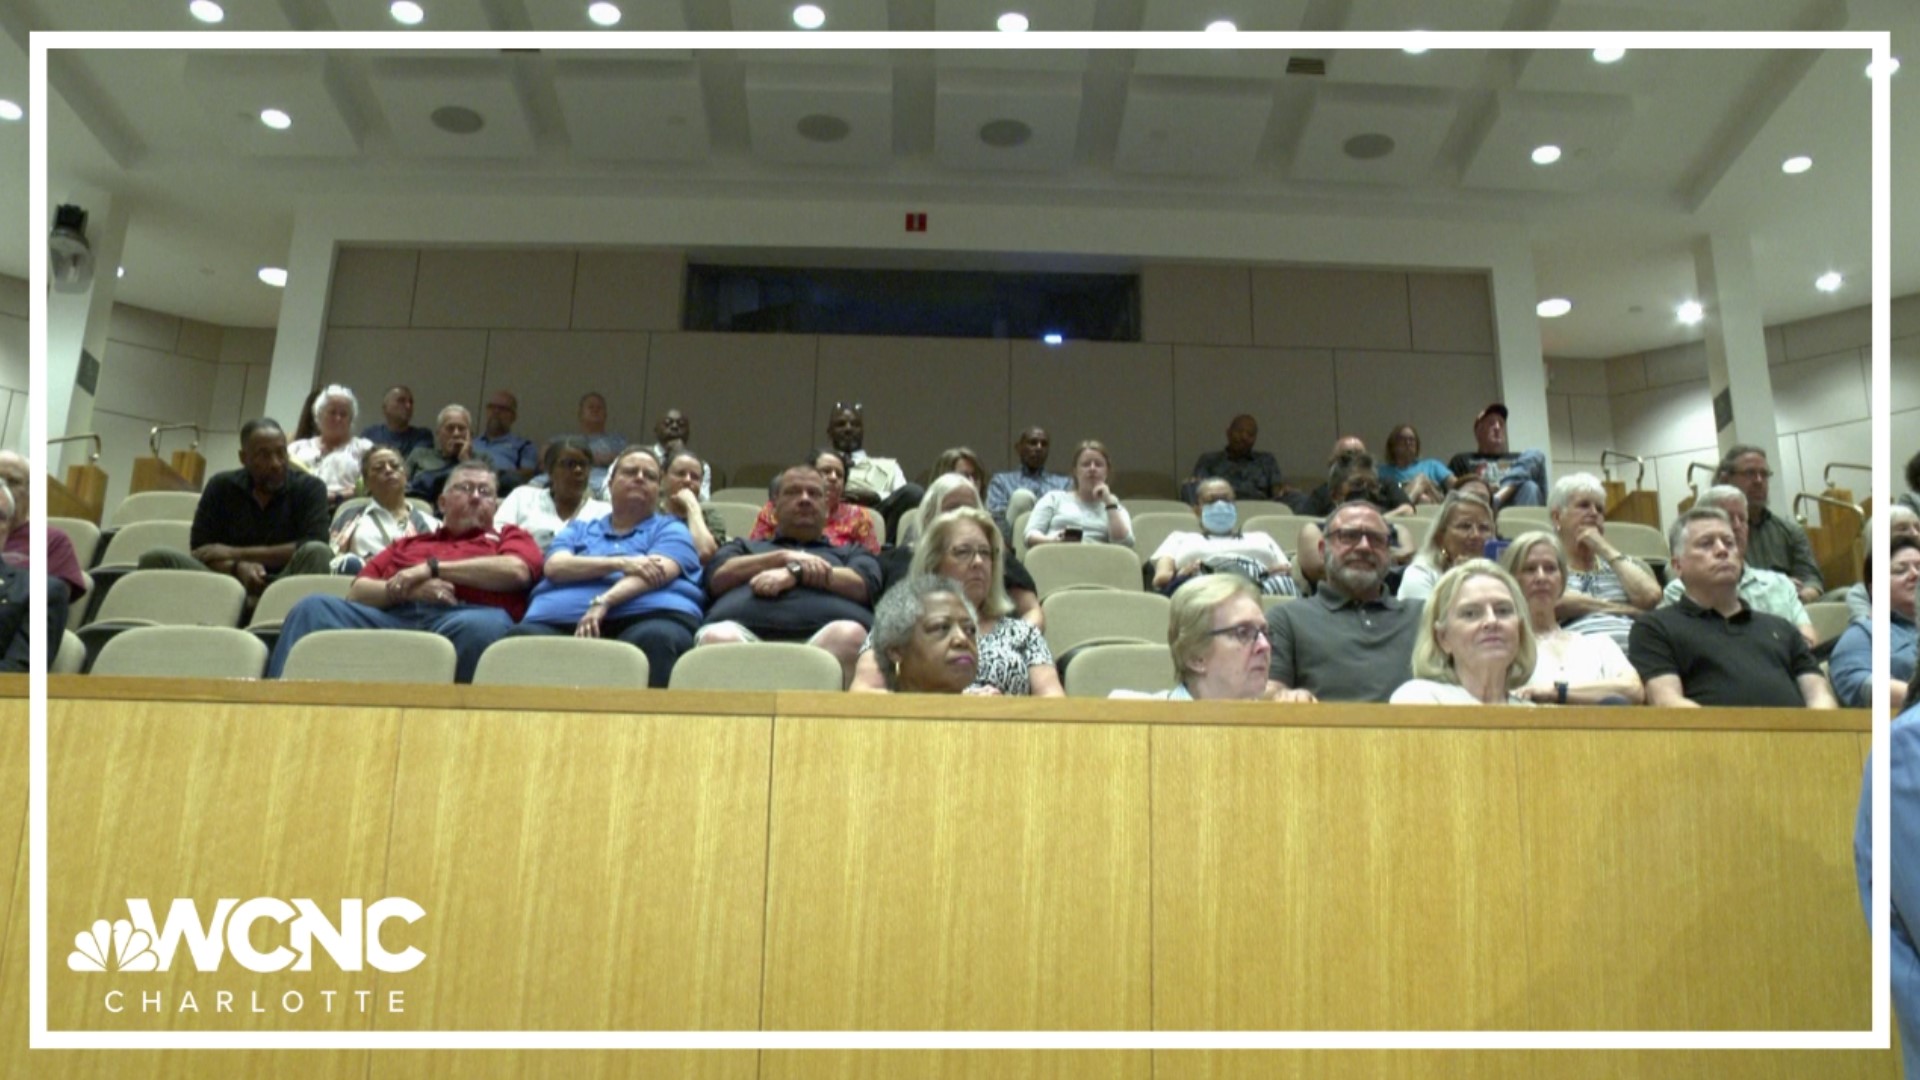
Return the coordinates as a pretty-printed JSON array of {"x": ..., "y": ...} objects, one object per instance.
[{"x": 1219, "y": 517}]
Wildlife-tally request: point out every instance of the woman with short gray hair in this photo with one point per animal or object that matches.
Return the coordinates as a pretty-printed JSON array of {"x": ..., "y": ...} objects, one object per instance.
[
  {"x": 335, "y": 453},
  {"x": 1605, "y": 588},
  {"x": 924, "y": 637}
]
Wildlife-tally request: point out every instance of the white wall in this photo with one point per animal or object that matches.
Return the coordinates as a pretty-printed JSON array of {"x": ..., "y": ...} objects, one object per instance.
[{"x": 14, "y": 343}]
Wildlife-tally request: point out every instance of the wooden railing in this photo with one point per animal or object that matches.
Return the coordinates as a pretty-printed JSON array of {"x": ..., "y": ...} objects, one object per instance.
[
  {"x": 84, "y": 492},
  {"x": 186, "y": 472}
]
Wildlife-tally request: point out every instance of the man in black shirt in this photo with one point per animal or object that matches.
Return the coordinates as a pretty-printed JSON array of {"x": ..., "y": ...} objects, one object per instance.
[
  {"x": 259, "y": 522},
  {"x": 396, "y": 430}
]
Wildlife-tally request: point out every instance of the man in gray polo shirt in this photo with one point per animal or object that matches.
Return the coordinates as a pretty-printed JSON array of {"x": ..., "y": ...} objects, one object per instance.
[{"x": 1352, "y": 640}]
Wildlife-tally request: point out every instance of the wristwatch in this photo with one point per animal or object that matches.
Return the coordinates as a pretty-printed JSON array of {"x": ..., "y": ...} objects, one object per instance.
[
  {"x": 1560, "y": 693},
  {"x": 794, "y": 568}
]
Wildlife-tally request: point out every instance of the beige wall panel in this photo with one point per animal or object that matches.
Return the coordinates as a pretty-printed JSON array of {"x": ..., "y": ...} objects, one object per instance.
[
  {"x": 1789, "y": 477},
  {"x": 1903, "y": 369},
  {"x": 373, "y": 287},
  {"x": 1521, "y": 1065},
  {"x": 1570, "y": 376},
  {"x": 748, "y": 395},
  {"x": 1667, "y": 420},
  {"x": 1906, "y": 315},
  {"x": 162, "y": 800},
  {"x": 1820, "y": 392},
  {"x": 909, "y": 888},
  {"x": 139, "y": 326},
  {"x": 1776, "y": 346},
  {"x": 629, "y": 290},
  {"x": 230, "y": 395},
  {"x": 246, "y": 345},
  {"x": 919, "y": 396},
  {"x": 1848, "y": 443},
  {"x": 164, "y": 387},
  {"x": 1289, "y": 391},
  {"x": 199, "y": 340},
  {"x": 500, "y": 290},
  {"x": 1450, "y": 313},
  {"x": 125, "y": 438},
  {"x": 443, "y": 367},
  {"x": 14, "y": 298},
  {"x": 1906, "y": 443},
  {"x": 1318, "y": 308},
  {"x": 550, "y": 370},
  {"x": 1641, "y": 848},
  {"x": 1438, "y": 394},
  {"x": 956, "y": 1064},
  {"x": 253, "y": 401},
  {"x": 1850, "y": 329},
  {"x": 1343, "y": 880},
  {"x": 1626, "y": 374},
  {"x": 1116, "y": 393},
  {"x": 564, "y": 1065},
  {"x": 1196, "y": 305},
  {"x": 16, "y": 346},
  {"x": 582, "y": 871},
  {"x": 1677, "y": 365},
  {"x": 1560, "y": 427},
  {"x": 1668, "y": 474},
  {"x": 15, "y": 435},
  {"x": 1592, "y": 427}
]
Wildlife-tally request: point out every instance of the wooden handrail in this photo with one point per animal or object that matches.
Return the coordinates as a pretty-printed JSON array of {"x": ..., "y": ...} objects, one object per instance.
[{"x": 1638, "y": 477}]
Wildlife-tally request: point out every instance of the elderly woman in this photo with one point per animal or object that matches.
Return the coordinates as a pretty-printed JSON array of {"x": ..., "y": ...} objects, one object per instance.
[
  {"x": 1221, "y": 547},
  {"x": 1477, "y": 647},
  {"x": 962, "y": 460},
  {"x": 630, "y": 574},
  {"x": 545, "y": 511},
  {"x": 1572, "y": 669},
  {"x": 952, "y": 491},
  {"x": 363, "y": 532},
  {"x": 1220, "y": 642},
  {"x": 1901, "y": 521},
  {"x": 334, "y": 453},
  {"x": 1851, "y": 667},
  {"x": 680, "y": 496},
  {"x": 1460, "y": 532},
  {"x": 1087, "y": 511},
  {"x": 963, "y": 546},
  {"x": 1423, "y": 479},
  {"x": 1605, "y": 589},
  {"x": 926, "y": 636},
  {"x": 847, "y": 524}
]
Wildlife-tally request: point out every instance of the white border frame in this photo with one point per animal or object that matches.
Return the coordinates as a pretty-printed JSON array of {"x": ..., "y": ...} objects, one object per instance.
[{"x": 39, "y": 1038}]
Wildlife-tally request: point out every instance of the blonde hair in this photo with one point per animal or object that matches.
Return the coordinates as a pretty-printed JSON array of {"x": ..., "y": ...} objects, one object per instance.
[
  {"x": 1432, "y": 662},
  {"x": 1190, "y": 620},
  {"x": 1097, "y": 447},
  {"x": 1433, "y": 550},
  {"x": 933, "y": 547},
  {"x": 1523, "y": 546},
  {"x": 943, "y": 485}
]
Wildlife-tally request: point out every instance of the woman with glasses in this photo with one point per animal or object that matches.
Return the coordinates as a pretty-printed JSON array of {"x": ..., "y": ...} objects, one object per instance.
[
  {"x": 360, "y": 534},
  {"x": 951, "y": 491},
  {"x": 544, "y": 511},
  {"x": 963, "y": 545},
  {"x": 1605, "y": 589},
  {"x": 1476, "y": 647},
  {"x": 1852, "y": 663},
  {"x": 1460, "y": 532},
  {"x": 926, "y": 638},
  {"x": 1219, "y": 639},
  {"x": 847, "y": 523}
]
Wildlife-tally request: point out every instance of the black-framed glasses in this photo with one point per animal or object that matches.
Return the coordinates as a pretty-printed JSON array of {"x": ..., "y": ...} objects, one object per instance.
[
  {"x": 1244, "y": 634},
  {"x": 1354, "y": 537}
]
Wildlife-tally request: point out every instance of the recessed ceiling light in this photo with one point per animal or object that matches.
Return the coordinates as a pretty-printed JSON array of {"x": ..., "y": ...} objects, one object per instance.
[
  {"x": 1879, "y": 67},
  {"x": 1690, "y": 312},
  {"x": 120, "y": 272},
  {"x": 1221, "y": 26},
  {"x": 1829, "y": 281},
  {"x": 274, "y": 276},
  {"x": 1608, "y": 55},
  {"x": 809, "y": 17},
  {"x": 1012, "y": 23},
  {"x": 407, "y": 13},
  {"x": 1415, "y": 50},
  {"x": 1794, "y": 166},
  {"x": 10, "y": 110},
  {"x": 1546, "y": 155},
  {"x": 1052, "y": 337},
  {"x": 603, "y": 13},
  {"x": 276, "y": 119},
  {"x": 1554, "y": 308},
  {"x": 206, "y": 11}
]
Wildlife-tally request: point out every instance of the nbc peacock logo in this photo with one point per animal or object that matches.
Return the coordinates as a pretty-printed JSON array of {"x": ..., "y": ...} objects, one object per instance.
[{"x": 116, "y": 946}]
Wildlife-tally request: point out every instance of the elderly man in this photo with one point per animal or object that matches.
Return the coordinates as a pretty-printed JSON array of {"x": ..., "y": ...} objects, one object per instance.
[
  {"x": 514, "y": 457},
  {"x": 1773, "y": 542},
  {"x": 1763, "y": 590},
  {"x": 670, "y": 435},
  {"x": 871, "y": 481},
  {"x": 1352, "y": 640},
  {"x": 796, "y": 586},
  {"x": 1220, "y": 547},
  {"x": 1254, "y": 474},
  {"x": 1517, "y": 479},
  {"x": 1713, "y": 648},
  {"x": 1012, "y": 493},
  {"x": 259, "y": 522},
  {"x": 466, "y": 581},
  {"x": 16, "y": 609},
  {"x": 429, "y": 466},
  {"x": 396, "y": 428},
  {"x": 63, "y": 565}
]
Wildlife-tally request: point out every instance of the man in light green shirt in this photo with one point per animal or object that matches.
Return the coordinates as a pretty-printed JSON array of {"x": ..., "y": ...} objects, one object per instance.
[{"x": 1763, "y": 590}]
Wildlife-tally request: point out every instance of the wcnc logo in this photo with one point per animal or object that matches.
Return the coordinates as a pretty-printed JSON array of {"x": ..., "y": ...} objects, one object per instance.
[{"x": 352, "y": 941}]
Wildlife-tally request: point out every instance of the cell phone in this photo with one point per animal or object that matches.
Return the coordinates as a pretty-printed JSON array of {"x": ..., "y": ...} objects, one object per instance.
[{"x": 1071, "y": 536}]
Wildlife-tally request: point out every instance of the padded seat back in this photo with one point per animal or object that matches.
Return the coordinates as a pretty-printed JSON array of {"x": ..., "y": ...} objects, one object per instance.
[
  {"x": 1099, "y": 670},
  {"x": 385, "y": 656},
  {"x": 762, "y": 665},
  {"x": 562, "y": 661},
  {"x": 183, "y": 652},
  {"x": 1083, "y": 566}
]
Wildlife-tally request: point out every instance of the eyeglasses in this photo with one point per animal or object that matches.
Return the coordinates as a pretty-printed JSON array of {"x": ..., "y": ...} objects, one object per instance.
[
  {"x": 474, "y": 491},
  {"x": 968, "y": 554},
  {"x": 1244, "y": 634},
  {"x": 1356, "y": 537},
  {"x": 1754, "y": 474}
]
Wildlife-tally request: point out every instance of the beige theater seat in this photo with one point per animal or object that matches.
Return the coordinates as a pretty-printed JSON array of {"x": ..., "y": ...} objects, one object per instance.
[
  {"x": 563, "y": 661},
  {"x": 280, "y": 597},
  {"x": 364, "y": 656},
  {"x": 1101, "y": 669},
  {"x": 165, "y": 598},
  {"x": 1829, "y": 619},
  {"x": 737, "y": 517},
  {"x": 183, "y": 652},
  {"x": 71, "y": 657},
  {"x": 155, "y": 506},
  {"x": 1083, "y": 566},
  {"x": 1152, "y": 530},
  {"x": 84, "y": 534},
  {"x": 764, "y": 665},
  {"x": 1079, "y": 617}
]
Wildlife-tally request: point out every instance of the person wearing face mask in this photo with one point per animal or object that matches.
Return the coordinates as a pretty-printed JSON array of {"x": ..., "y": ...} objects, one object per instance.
[{"x": 1221, "y": 547}]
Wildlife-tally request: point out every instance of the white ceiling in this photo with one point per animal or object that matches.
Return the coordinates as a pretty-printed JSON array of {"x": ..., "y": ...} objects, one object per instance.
[{"x": 1658, "y": 149}]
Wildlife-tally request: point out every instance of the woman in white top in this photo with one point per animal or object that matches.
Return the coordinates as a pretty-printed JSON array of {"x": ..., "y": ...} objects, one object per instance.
[
  {"x": 1476, "y": 647},
  {"x": 544, "y": 511},
  {"x": 360, "y": 534},
  {"x": 335, "y": 454},
  {"x": 1605, "y": 589},
  {"x": 1460, "y": 532},
  {"x": 1572, "y": 669},
  {"x": 1086, "y": 512}
]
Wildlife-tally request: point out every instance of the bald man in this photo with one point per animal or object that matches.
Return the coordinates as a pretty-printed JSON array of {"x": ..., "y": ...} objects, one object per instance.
[{"x": 1254, "y": 474}]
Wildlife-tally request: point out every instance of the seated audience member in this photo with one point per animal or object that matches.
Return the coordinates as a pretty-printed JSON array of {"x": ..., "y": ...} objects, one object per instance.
[
  {"x": 1221, "y": 547},
  {"x": 797, "y": 586},
  {"x": 545, "y": 511},
  {"x": 63, "y": 565},
  {"x": 396, "y": 428},
  {"x": 681, "y": 492},
  {"x": 334, "y": 454},
  {"x": 1476, "y": 644},
  {"x": 962, "y": 547},
  {"x": 924, "y": 633},
  {"x": 1350, "y": 478},
  {"x": 1350, "y": 451},
  {"x": 952, "y": 491},
  {"x": 257, "y": 523},
  {"x": 1901, "y": 521},
  {"x": 1763, "y": 590},
  {"x": 361, "y": 533},
  {"x": 670, "y": 435},
  {"x": 1459, "y": 534},
  {"x": 630, "y": 574},
  {"x": 1902, "y": 883},
  {"x": 467, "y": 581},
  {"x": 847, "y": 524},
  {"x": 1253, "y": 474},
  {"x": 962, "y": 460},
  {"x": 1712, "y": 648},
  {"x": 1352, "y": 640},
  {"x": 1517, "y": 479},
  {"x": 1852, "y": 663},
  {"x": 17, "y": 608},
  {"x": 1774, "y": 542},
  {"x": 1222, "y": 647},
  {"x": 1605, "y": 589},
  {"x": 1425, "y": 480},
  {"x": 1014, "y": 492},
  {"x": 1572, "y": 669},
  {"x": 602, "y": 444},
  {"x": 429, "y": 466},
  {"x": 871, "y": 481},
  {"x": 1088, "y": 512},
  {"x": 514, "y": 457}
]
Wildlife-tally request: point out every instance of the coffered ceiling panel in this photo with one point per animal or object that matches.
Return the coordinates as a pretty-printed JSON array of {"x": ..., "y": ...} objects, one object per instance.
[
  {"x": 1183, "y": 127},
  {"x": 439, "y": 15},
  {"x": 1586, "y": 128},
  {"x": 452, "y": 107},
  {"x": 1372, "y": 135},
  {"x": 631, "y": 111},
  {"x": 234, "y": 88},
  {"x": 803, "y": 114},
  {"x": 1640, "y": 71},
  {"x": 1015, "y": 121},
  {"x": 1435, "y": 67},
  {"x": 1246, "y": 15}
]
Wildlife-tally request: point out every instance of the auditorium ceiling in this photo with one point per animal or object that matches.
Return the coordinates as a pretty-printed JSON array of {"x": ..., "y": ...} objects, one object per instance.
[{"x": 1657, "y": 147}]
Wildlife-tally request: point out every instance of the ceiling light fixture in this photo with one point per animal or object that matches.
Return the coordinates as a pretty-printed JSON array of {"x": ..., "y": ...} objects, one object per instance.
[
  {"x": 1829, "y": 281},
  {"x": 1690, "y": 312},
  {"x": 274, "y": 276},
  {"x": 1221, "y": 26},
  {"x": 1794, "y": 166},
  {"x": 603, "y": 13},
  {"x": 407, "y": 13},
  {"x": 206, "y": 11},
  {"x": 1012, "y": 23},
  {"x": 121, "y": 272},
  {"x": 276, "y": 119},
  {"x": 1554, "y": 308},
  {"x": 809, "y": 17},
  {"x": 1883, "y": 67},
  {"x": 10, "y": 110},
  {"x": 1608, "y": 55},
  {"x": 1415, "y": 50},
  {"x": 1546, "y": 155},
  {"x": 1052, "y": 337}
]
